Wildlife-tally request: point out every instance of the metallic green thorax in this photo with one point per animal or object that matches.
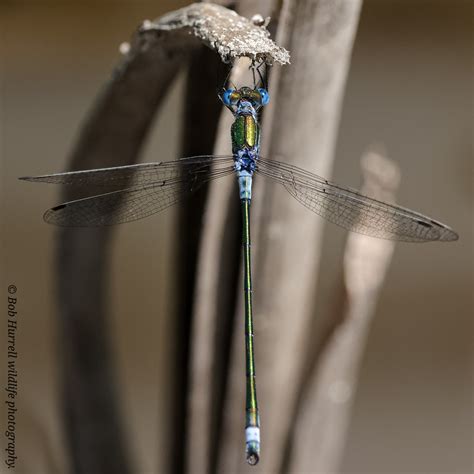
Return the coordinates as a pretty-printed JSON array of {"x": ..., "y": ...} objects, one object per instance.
[
  {"x": 252, "y": 417},
  {"x": 245, "y": 133}
]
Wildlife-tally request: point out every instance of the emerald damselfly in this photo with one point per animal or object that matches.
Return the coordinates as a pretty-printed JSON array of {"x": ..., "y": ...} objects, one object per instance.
[{"x": 129, "y": 193}]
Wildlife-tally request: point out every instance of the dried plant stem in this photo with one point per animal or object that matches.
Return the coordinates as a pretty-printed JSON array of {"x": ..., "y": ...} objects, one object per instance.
[
  {"x": 323, "y": 416},
  {"x": 215, "y": 296},
  {"x": 304, "y": 121}
]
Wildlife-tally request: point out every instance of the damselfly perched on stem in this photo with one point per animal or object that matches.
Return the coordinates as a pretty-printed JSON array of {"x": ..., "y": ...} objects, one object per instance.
[{"x": 133, "y": 192}]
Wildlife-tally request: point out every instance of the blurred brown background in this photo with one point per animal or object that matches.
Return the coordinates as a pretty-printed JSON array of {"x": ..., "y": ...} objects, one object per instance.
[{"x": 409, "y": 87}]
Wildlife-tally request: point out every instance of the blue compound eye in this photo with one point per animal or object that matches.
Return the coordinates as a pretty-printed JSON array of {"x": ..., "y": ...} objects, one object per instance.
[
  {"x": 226, "y": 96},
  {"x": 230, "y": 97},
  {"x": 264, "y": 96}
]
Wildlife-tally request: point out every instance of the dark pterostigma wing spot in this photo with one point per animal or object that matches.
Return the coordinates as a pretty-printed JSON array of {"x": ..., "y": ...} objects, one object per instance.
[{"x": 424, "y": 224}]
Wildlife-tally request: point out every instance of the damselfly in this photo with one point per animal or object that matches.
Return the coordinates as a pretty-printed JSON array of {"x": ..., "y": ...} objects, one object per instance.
[{"x": 138, "y": 191}]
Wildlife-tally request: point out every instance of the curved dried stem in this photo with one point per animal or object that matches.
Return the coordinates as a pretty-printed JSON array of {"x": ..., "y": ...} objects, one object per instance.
[{"x": 324, "y": 409}]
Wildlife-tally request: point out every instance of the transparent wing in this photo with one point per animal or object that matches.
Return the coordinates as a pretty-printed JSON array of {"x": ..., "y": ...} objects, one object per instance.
[
  {"x": 135, "y": 175},
  {"x": 177, "y": 181},
  {"x": 352, "y": 210}
]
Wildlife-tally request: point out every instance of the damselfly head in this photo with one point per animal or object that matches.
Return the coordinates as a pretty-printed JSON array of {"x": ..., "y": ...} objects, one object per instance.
[{"x": 257, "y": 97}]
